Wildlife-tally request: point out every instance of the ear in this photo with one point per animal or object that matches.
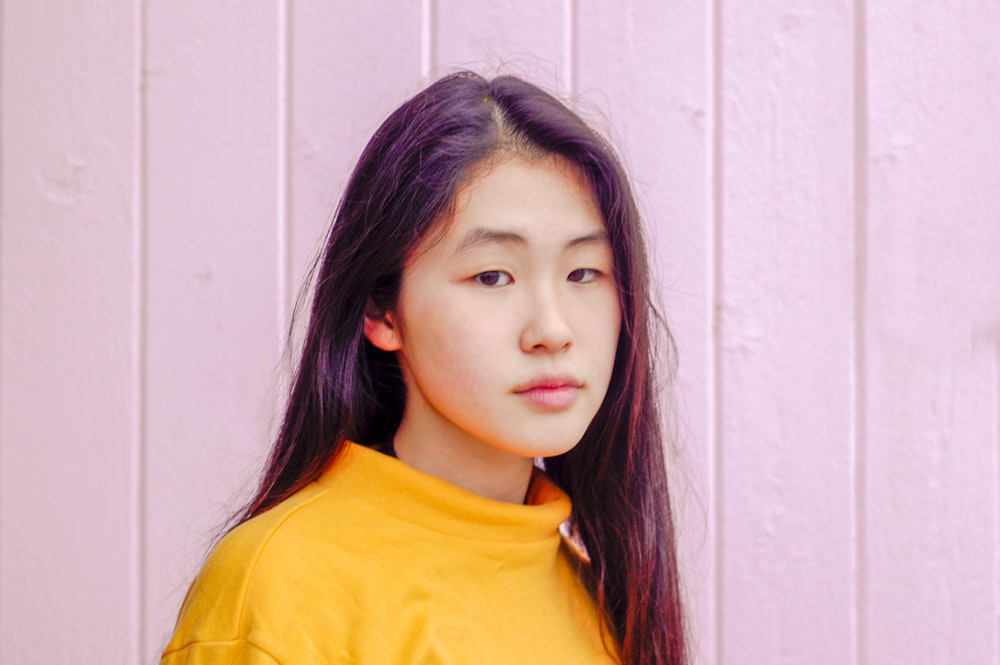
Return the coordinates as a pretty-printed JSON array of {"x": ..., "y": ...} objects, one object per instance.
[{"x": 381, "y": 332}]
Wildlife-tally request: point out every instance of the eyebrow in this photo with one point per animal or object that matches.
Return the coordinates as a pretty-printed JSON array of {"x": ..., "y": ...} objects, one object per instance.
[
  {"x": 589, "y": 239},
  {"x": 482, "y": 236}
]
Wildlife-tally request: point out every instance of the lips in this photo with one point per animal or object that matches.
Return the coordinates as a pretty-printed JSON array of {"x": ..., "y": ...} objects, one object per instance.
[{"x": 554, "y": 391}]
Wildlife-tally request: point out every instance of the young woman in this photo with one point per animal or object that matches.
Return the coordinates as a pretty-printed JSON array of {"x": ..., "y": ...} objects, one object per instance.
[{"x": 482, "y": 303}]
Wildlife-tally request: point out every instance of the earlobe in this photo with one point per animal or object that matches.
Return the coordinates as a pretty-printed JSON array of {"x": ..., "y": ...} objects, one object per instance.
[{"x": 381, "y": 332}]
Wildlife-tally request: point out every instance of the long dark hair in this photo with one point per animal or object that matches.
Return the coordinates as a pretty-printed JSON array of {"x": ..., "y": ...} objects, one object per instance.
[{"x": 346, "y": 389}]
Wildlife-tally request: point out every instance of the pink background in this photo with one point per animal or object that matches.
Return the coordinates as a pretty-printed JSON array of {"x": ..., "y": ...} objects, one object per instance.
[{"x": 822, "y": 184}]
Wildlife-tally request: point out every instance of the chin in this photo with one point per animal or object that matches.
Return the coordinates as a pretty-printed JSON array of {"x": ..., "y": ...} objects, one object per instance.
[
  {"x": 553, "y": 449},
  {"x": 546, "y": 439}
]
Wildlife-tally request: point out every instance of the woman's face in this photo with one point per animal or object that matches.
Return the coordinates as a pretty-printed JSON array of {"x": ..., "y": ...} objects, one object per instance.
[{"x": 507, "y": 323}]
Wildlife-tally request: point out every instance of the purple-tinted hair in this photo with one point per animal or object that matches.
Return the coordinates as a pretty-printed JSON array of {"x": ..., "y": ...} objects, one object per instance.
[{"x": 344, "y": 389}]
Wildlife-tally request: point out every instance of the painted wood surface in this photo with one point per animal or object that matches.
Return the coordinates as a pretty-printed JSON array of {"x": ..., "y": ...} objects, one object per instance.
[
  {"x": 69, "y": 370},
  {"x": 819, "y": 181},
  {"x": 786, "y": 290},
  {"x": 932, "y": 274},
  {"x": 212, "y": 293}
]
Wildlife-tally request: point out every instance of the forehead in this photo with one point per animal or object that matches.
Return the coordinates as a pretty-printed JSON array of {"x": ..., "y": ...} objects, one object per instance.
[{"x": 538, "y": 198}]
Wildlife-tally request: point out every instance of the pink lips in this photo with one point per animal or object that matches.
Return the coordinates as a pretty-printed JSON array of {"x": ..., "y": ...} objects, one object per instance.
[{"x": 556, "y": 391}]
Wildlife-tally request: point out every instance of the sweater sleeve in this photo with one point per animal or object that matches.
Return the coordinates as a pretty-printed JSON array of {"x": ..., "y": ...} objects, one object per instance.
[{"x": 232, "y": 652}]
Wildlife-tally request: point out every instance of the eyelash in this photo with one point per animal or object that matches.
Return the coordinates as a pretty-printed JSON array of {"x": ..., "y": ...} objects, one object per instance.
[
  {"x": 490, "y": 273},
  {"x": 592, "y": 272},
  {"x": 583, "y": 276}
]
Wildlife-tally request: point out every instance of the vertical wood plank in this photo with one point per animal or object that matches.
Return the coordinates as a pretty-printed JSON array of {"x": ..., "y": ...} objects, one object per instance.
[
  {"x": 787, "y": 331},
  {"x": 933, "y": 312},
  {"x": 352, "y": 64},
  {"x": 524, "y": 37},
  {"x": 214, "y": 158},
  {"x": 647, "y": 68},
  {"x": 67, "y": 122}
]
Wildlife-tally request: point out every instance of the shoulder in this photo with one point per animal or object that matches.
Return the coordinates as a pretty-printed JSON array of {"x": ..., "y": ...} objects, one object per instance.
[
  {"x": 242, "y": 596},
  {"x": 243, "y": 557}
]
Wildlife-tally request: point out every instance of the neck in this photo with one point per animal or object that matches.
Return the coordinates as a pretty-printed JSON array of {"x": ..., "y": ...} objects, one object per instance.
[{"x": 473, "y": 466}]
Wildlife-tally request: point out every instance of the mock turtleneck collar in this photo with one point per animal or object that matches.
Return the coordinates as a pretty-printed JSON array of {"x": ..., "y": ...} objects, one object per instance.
[{"x": 414, "y": 496}]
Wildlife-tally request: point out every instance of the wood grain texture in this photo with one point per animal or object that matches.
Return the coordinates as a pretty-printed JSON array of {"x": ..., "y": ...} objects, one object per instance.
[
  {"x": 344, "y": 82},
  {"x": 526, "y": 37},
  {"x": 212, "y": 294},
  {"x": 787, "y": 329},
  {"x": 67, "y": 367},
  {"x": 933, "y": 318}
]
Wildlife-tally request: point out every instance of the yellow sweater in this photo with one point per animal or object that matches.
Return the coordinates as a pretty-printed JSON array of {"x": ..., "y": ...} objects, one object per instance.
[{"x": 377, "y": 563}]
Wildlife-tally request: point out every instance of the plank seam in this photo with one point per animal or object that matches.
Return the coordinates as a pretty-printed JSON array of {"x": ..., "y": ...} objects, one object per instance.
[
  {"x": 717, "y": 318},
  {"x": 284, "y": 239},
  {"x": 427, "y": 36},
  {"x": 569, "y": 47},
  {"x": 2, "y": 143},
  {"x": 859, "y": 443},
  {"x": 139, "y": 342}
]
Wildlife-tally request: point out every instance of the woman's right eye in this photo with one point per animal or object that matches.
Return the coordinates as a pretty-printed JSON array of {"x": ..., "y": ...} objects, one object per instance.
[{"x": 494, "y": 278}]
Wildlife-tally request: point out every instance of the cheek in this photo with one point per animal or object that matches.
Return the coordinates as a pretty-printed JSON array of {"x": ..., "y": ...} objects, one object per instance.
[
  {"x": 601, "y": 323},
  {"x": 604, "y": 331},
  {"x": 446, "y": 344}
]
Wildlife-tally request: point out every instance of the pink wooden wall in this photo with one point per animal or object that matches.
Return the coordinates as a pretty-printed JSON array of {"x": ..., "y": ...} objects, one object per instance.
[{"x": 822, "y": 184}]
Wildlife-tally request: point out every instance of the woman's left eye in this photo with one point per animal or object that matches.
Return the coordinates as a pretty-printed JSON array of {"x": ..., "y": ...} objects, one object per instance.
[{"x": 584, "y": 275}]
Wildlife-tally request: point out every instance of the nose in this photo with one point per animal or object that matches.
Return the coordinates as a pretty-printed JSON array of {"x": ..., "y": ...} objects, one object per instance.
[{"x": 546, "y": 327}]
